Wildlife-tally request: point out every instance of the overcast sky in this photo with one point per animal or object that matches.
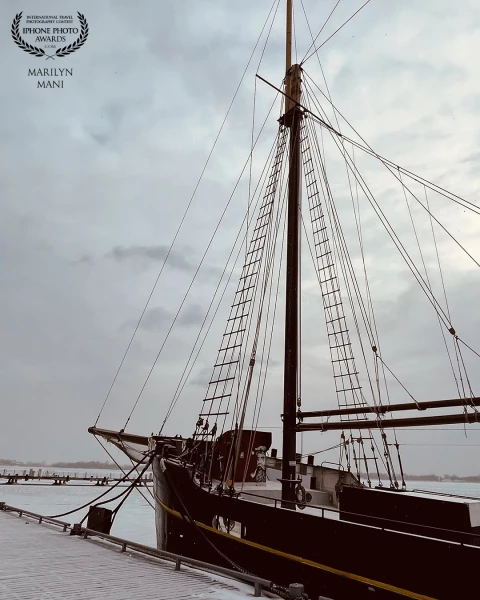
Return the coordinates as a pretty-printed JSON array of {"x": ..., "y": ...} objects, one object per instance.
[{"x": 95, "y": 178}]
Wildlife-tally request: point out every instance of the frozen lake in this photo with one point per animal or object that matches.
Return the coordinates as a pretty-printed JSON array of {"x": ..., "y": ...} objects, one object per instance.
[{"x": 135, "y": 520}]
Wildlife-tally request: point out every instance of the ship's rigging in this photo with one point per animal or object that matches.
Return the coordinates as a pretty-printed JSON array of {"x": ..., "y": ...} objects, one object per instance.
[
  {"x": 311, "y": 224},
  {"x": 243, "y": 355}
]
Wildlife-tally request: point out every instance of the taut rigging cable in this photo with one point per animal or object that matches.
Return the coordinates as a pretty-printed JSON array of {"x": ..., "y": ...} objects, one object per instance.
[
  {"x": 312, "y": 45},
  {"x": 185, "y": 374},
  {"x": 336, "y": 31},
  {"x": 188, "y": 207},
  {"x": 123, "y": 470},
  {"x": 194, "y": 275},
  {"x": 97, "y": 498},
  {"x": 369, "y": 150}
]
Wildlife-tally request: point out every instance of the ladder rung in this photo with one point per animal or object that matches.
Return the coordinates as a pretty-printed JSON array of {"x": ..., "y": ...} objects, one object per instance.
[
  {"x": 326, "y": 267},
  {"x": 329, "y": 279},
  {"x": 239, "y": 303},
  {"x": 324, "y": 254},
  {"x": 238, "y": 316},
  {"x": 232, "y": 332},
  {"x": 346, "y": 374},
  {"x": 267, "y": 212},
  {"x": 338, "y": 332},
  {"x": 344, "y": 360},
  {"x": 260, "y": 226},
  {"x": 331, "y": 292},
  {"x": 265, "y": 206},
  {"x": 252, "y": 263},
  {"x": 245, "y": 276},
  {"x": 230, "y": 362},
  {"x": 229, "y": 347},
  {"x": 255, "y": 250},
  {"x": 349, "y": 390},
  {"x": 244, "y": 289},
  {"x": 332, "y": 305},
  {"x": 260, "y": 237},
  {"x": 213, "y": 414},
  {"x": 217, "y": 397},
  {"x": 221, "y": 380},
  {"x": 337, "y": 319}
]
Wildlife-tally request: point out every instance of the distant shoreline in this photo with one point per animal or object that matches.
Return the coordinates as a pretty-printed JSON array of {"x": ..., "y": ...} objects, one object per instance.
[
  {"x": 93, "y": 464},
  {"x": 433, "y": 478}
]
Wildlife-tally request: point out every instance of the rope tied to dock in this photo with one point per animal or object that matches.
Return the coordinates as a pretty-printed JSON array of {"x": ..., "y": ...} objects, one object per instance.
[{"x": 128, "y": 489}]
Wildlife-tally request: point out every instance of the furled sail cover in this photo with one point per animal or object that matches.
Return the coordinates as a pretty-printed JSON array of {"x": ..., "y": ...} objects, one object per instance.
[{"x": 134, "y": 446}]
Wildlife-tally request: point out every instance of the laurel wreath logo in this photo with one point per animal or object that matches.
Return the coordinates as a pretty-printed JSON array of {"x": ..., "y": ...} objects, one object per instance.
[
  {"x": 22, "y": 43},
  {"x": 66, "y": 50},
  {"x": 61, "y": 52}
]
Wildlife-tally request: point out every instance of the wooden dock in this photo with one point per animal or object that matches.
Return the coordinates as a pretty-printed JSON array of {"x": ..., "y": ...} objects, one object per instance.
[
  {"x": 40, "y": 562},
  {"x": 62, "y": 477}
]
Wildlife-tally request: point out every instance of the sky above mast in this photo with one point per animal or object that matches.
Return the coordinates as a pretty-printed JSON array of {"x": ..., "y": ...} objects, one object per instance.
[{"x": 95, "y": 178}]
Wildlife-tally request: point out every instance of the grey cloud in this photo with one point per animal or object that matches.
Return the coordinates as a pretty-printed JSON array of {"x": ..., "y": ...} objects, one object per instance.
[
  {"x": 85, "y": 259},
  {"x": 100, "y": 138},
  {"x": 275, "y": 364},
  {"x": 176, "y": 259},
  {"x": 156, "y": 253},
  {"x": 107, "y": 125},
  {"x": 103, "y": 169},
  {"x": 158, "y": 318},
  {"x": 192, "y": 315},
  {"x": 472, "y": 158},
  {"x": 154, "y": 319},
  {"x": 202, "y": 377}
]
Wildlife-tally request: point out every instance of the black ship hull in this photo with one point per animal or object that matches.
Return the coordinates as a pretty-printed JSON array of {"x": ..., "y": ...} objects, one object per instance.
[{"x": 333, "y": 558}]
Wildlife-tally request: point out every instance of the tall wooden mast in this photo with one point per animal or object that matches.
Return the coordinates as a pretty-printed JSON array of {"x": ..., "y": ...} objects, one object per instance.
[{"x": 292, "y": 119}]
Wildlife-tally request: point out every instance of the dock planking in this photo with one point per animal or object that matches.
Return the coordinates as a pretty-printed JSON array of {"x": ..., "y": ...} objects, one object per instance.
[{"x": 39, "y": 562}]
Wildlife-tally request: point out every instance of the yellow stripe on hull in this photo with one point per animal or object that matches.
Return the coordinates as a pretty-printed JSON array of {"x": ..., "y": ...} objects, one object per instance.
[{"x": 305, "y": 561}]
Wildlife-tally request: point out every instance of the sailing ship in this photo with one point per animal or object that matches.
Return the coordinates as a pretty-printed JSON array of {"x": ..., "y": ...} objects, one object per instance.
[{"x": 223, "y": 494}]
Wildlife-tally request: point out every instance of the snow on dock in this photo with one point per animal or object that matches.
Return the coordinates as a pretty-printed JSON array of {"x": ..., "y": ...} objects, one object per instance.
[{"x": 39, "y": 562}]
